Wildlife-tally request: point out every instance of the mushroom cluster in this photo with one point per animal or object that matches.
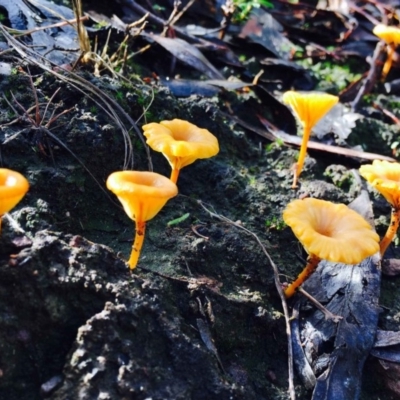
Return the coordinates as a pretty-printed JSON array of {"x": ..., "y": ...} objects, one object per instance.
[
  {"x": 143, "y": 194},
  {"x": 327, "y": 231}
]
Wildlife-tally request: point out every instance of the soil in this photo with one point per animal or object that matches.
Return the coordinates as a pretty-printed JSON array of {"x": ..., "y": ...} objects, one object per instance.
[{"x": 200, "y": 317}]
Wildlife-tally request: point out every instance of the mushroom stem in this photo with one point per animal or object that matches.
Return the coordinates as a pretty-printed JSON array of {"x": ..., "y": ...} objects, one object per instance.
[
  {"x": 302, "y": 155},
  {"x": 174, "y": 175},
  {"x": 391, "y": 232},
  {"x": 137, "y": 244},
  {"x": 312, "y": 263},
  {"x": 389, "y": 60}
]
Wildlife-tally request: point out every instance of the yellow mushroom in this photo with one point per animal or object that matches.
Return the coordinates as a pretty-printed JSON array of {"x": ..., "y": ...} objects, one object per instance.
[
  {"x": 181, "y": 142},
  {"x": 13, "y": 187},
  {"x": 330, "y": 232},
  {"x": 309, "y": 108},
  {"x": 384, "y": 176},
  {"x": 390, "y": 35},
  {"x": 143, "y": 195}
]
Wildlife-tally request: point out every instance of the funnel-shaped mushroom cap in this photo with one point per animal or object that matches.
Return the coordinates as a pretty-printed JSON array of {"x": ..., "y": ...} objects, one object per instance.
[
  {"x": 13, "y": 187},
  {"x": 309, "y": 107},
  {"x": 390, "y": 34},
  {"x": 142, "y": 194},
  {"x": 384, "y": 176},
  {"x": 331, "y": 231},
  {"x": 181, "y": 142}
]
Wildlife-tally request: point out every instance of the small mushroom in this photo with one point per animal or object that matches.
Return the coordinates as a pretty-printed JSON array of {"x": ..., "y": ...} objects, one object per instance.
[
  {"x": 390, "y": 35},
  {"x": 143, "y": 195},
  {"x": 13, "y": 187},
  {"x": 384, "y": 176},
  {"x": 181, "y": 142},
  {"x": 330, "y": 232},
  {"x": 309, "y": 108}
]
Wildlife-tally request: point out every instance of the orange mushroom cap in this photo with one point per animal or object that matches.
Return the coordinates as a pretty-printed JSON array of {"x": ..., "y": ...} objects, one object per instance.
[
  {"x": 142, "y": 194},
  {"x": 13, "y": 187},
  {"x": 331, "y": 231},
  {"x": 384, "y": 176},
  {"x": 309, "y": 107},
  {"x": 181, "y": 142},
  {"x": 390, "y": 34}
]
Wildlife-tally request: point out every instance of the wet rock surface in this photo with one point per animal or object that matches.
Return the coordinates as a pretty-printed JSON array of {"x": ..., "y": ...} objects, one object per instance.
[{"x": 75, "y": 309}]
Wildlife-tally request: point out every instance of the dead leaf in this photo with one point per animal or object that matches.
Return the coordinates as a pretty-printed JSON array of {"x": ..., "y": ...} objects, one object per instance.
[
  {"x": 262, "y": 28},
  {"x": 188, "y": 54}
]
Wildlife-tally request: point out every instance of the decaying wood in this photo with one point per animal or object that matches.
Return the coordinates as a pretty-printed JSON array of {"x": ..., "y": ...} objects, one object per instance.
[
  {"x": 352, "y": 292},
  {"x": 337, "y": 351}
]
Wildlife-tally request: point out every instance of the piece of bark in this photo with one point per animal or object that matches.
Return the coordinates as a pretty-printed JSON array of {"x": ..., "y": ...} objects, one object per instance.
[
  {"x": 388, "y": 373},
  {"x": 352, "y": 292},
  {"x": 337, "y": 351},
  {"x": 386, "y": 338},
  {"x": 391, "y": 267},
  {"x": 300, "y": 360}
]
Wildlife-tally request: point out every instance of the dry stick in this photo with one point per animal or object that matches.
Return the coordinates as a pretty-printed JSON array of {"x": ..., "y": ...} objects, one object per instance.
[
  {"x": 386, "y": 112},
  {"x": 328, "y": 315},
  {"x": 272, "y": 133},
  {"x": 179, "y": 14},
  {"x": 228, "y": 9},
  {"x": 368, "y": 16},
  {"x": 168, "y": 22},
  {"x": 41, "y": 28},
  {"x": 370, "y": 80},
  {"x": 133, "y": 5},
  {"x": 278, "y": 286}
]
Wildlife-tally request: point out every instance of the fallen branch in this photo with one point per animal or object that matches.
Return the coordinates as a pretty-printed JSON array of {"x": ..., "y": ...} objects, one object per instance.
[{"x": 274, "y": 134}]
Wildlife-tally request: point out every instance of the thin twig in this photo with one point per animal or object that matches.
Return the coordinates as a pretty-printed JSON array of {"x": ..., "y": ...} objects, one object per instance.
[
  {"x": 48, "y": 104},
  {"x": 278, "y": 286},
  {"x": 137, "y": 8},
  {"x": 371, "y": 78},
  {"x": 194, "y": 229},
  {"x": 174, "y": 12},
  {"x": 386, "y": 112},
  {"x": 41, "y": 28},
  {"x": 328, "y": 315},
  {"x": 179, "y": 15}
]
